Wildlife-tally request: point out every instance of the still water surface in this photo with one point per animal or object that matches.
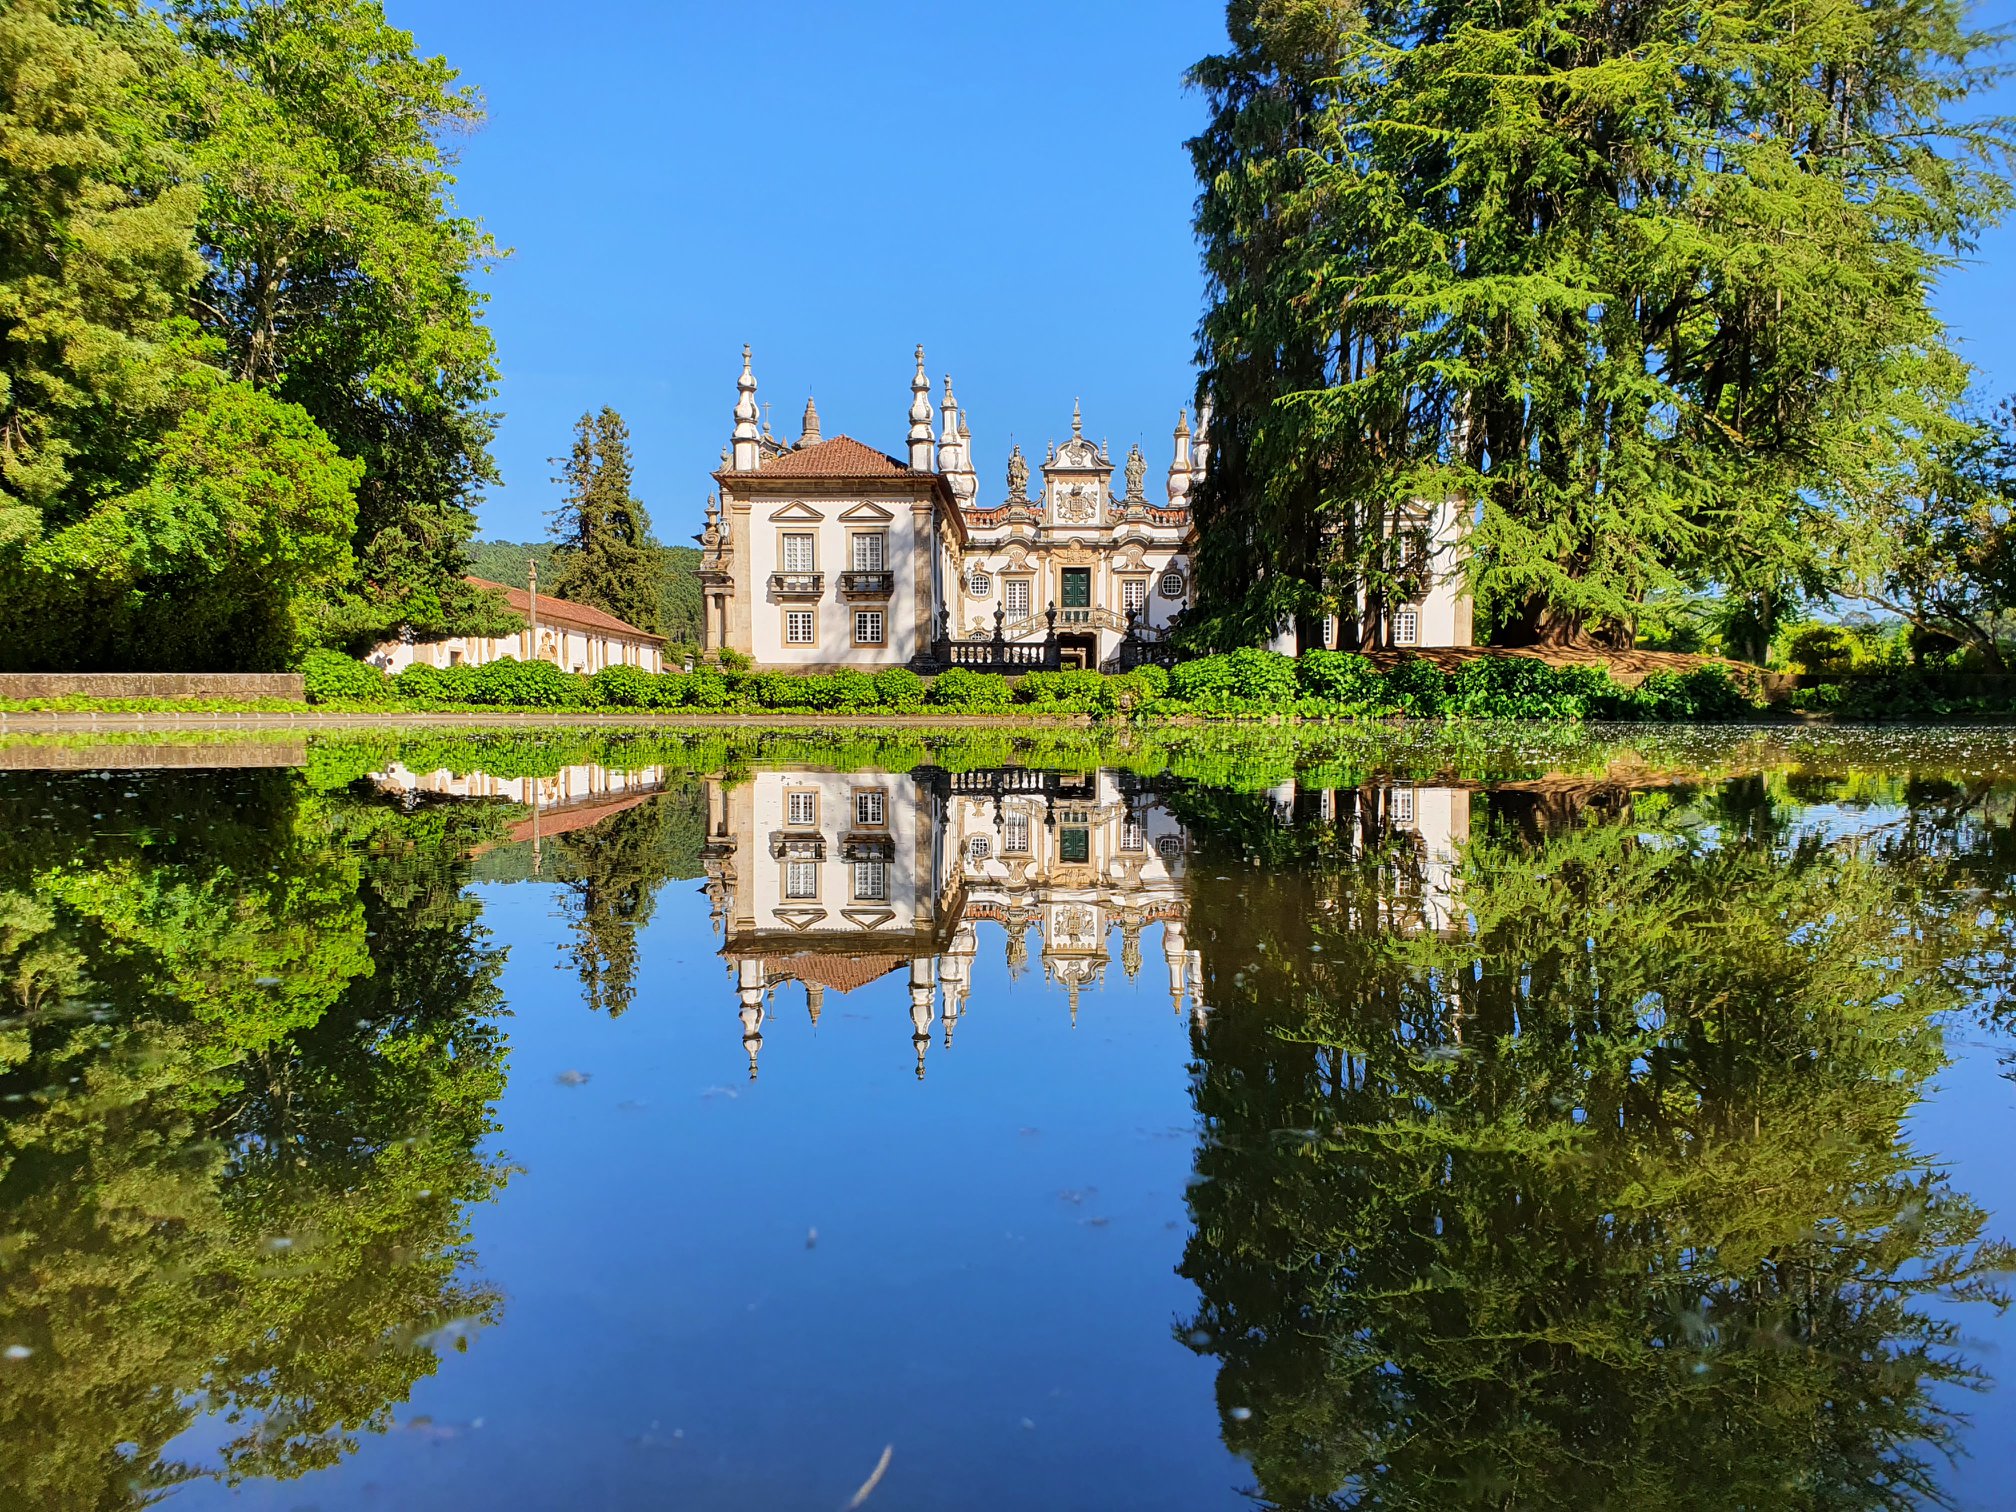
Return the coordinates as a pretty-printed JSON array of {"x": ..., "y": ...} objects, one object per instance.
[{"x": 512, "y": 1124}]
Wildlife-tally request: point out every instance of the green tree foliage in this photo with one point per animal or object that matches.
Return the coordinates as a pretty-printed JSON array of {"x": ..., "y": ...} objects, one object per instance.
[
  {"x": 1633, "y": 285},
  {"x": 1597, "y": 1192},
  {"x": 612, "y": 872},
  {"x": 248, "y": 1053},
  {"x": 678, "y": 583},
  {"x": 228, "y": 225},
  {"x": 606, "y": 556}
]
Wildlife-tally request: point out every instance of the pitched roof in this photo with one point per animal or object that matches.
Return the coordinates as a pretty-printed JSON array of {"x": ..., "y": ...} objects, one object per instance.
[
  {"x": 841, "y": 973},
  {"x": 559, "y": 611},
  {"x": 842, "y": 457}
]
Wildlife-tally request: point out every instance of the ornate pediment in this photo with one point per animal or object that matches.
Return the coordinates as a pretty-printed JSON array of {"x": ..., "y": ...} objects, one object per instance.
[
  {"x": 797, "y": 512},
  {"x": 868, "y": 512}
]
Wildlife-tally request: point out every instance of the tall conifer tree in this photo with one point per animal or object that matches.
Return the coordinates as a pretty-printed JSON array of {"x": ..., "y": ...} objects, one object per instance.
[
  {"x": 1637, "y": 283},
  {"x": 606, "y": 557}
]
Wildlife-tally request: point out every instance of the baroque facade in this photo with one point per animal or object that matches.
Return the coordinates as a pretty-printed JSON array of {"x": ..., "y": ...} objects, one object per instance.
[{"x": 827, "y": 553}]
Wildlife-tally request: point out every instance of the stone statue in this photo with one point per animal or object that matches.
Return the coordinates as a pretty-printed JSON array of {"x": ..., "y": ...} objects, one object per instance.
[
  {"x": 1018, "y": 478},
  {"x": 1137, "y": 470}
]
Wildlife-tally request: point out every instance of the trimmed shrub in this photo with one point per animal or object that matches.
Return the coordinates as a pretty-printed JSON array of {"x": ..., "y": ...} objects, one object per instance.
[
  {"x": 781, "y": 690},
  {"x": 526, "y": 685},
  {"x": 1705, "y": 694},
  {"x": 1522, "y": 687},
  {"x": 1206, "y": 680},
  {"x": 1076, "y": 689},
  {"x": 1417, "y": 687},
  {"x": 1342, "y": 677},
  {"x": 707, "y": 689},
  {"x": 1262, "y": 676},
  {"x": 735, "y": 661},
  {"x": 623, "y": 688},
  {"x": 850, "y": 689},
  {"x": 332, "y": 677},
  {"x": 964, "y": 689},
  {"x": 1130, "y": 690},
  {"x": 900, "y": 689}
]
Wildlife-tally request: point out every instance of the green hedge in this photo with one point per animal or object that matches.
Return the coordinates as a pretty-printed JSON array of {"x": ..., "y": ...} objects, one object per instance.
[{"x": 1246, "y": 684}]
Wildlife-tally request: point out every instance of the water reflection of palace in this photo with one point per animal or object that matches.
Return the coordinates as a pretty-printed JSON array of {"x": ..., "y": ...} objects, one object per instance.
[
  {"x": 576, "y": 797},
  {"x": 834, "y": 880}
]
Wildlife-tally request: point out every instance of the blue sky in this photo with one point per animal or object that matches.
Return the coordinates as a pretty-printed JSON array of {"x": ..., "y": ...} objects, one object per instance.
[{"x": 836, "y": 183}]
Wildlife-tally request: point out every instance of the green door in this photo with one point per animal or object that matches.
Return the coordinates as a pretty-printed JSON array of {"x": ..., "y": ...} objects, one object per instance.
[{"x": 1077, "y": 587}]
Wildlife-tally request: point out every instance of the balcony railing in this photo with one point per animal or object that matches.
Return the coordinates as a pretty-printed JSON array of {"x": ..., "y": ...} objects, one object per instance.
[
  {"x": 867, "y": 584},
  {"x": 798, "y": 584},
  {"x": 797, "y": 845},
  {"x": 868, "y": 848}
]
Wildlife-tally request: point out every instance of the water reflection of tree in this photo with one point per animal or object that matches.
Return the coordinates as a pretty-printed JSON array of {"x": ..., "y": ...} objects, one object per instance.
[
  {"x": 612, "y": 872},
  {"x": 248, "y": 1055},
  {"x": 1606, "y": 1205}
]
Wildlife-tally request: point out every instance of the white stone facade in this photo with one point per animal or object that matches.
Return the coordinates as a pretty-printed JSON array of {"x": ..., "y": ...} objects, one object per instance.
[{"x": 829, "y": 553}]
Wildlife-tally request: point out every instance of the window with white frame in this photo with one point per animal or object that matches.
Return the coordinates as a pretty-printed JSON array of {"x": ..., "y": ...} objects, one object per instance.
[
  {"x": 979, "y": 847},
  {"x": 1403, "y": 805},
  {"x": 798, "y": 554},
  {"x": 1329, "y": 630},
  {"x": 871, "y": 881},
  {"x": 1172, "y": 585},
  {"x": 801, "y": 808},
  {"x": 1016, "y": 591},
  {"x": 870, "y": 808},
  {"x": 1015, "y": 835},
  {"x": 798, "y": 627},
  {"x": 867, "y": 627},
  {"x": 1132, "y": 836},
  {"x": 1171, "y": 846},
  {"x": 1133, "y": 594},
  {"x": 801, "y": 879},
  {"x": 980, "y": 584},
  {"x": 1407, "y": 627},
  {"x": 870, "y": 550}
]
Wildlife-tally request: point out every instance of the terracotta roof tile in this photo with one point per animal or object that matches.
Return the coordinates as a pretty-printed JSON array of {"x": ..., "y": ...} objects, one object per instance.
[
  {"x": 842, "y": 457},
  {"x": 559, "y": 611},
  {"x": 841, "y": 973}
]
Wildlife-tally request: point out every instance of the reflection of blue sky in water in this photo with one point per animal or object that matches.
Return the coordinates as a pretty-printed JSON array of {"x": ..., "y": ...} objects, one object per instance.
[{"x": 721, "y": 1292}]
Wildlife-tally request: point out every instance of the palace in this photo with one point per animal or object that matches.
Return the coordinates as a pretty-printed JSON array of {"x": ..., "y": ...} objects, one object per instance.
[{"x": 828, "y": 553}]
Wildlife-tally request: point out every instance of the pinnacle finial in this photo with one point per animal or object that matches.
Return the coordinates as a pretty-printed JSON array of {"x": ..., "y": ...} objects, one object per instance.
[
  {"x": 1183, "y": 421},
  {"x": 1077, "y": 422},
  {"x": 809, "y": 431}
]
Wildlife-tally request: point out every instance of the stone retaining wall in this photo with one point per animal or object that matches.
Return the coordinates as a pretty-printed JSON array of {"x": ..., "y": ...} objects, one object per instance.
[{"x": 245, "y": 685}]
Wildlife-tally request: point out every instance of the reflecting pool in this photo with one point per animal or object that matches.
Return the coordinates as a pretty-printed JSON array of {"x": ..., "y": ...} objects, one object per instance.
[{"x": 1381, "y": 1120}]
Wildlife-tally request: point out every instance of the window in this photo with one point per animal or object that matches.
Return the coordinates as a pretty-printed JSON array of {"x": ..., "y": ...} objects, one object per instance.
[
  {"x": 871, "y": 881},
  {"x": 1171, "y": 846},
  {"x": 1015, "y": 835},
  {"x": 980, "y": 584},
  {"x": 801, "y": 879},
  {"x": 1172, "y": 584},
  {"x": 797, "y": 553},
  {"x": 979, "y": 848},
  {"x": 1074, "y": 844},
  {"x": 867, "y": 627},
  {"x": 869, "y": 810},
  {"x": 1407, "y": 627},
  {"x": 870, "y": 550},
  {"x": 1329, "y": 629},
  {"x": 1403, "y": 805},
  {"x": 1132, "y": 836},
  {"x": 1134, "y": 594},
  {"x": 801, "y": 808},
  {"x": 798, "y": 627},
  {"x": 1017, "y": 591}
]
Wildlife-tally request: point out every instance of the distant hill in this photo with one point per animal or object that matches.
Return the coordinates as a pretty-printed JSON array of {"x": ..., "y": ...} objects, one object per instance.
[{"x": 678, "y": 594}]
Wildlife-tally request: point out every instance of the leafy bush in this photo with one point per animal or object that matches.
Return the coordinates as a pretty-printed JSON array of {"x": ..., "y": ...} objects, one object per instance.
[
  {"x": 735, "y": 661},
  {"x": 1417, "y": 687},
  {"x": 1522, "y": 687},
  {"x": 1207, "y": 680},
  {"x": 623, "y": 688},
  {"x": 332, "y": 677},
  {"x": 1703, "y": 695},
  {"x": 849, "y": 689},
  {"x": 900, "y": 689},
  {"x": 1130, "y": 690},
  {"x": 1262, "y": 676},
  {"x": 526, "y": 685},
  {"x": 975, "y": 691},
  {"x": 1821, "y": 648},
  {"x": 780, "y": 690},
  {"x": 1076, "y": 689},
  {"x": 708, "y": 689},
  {"x": 1338, "y": 677}
]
